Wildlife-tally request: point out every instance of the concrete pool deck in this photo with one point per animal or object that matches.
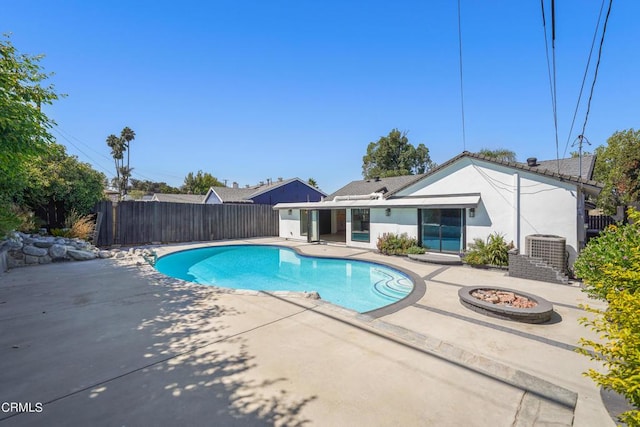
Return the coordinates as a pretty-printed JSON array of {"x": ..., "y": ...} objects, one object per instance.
[{"x": 104, "y": 342}]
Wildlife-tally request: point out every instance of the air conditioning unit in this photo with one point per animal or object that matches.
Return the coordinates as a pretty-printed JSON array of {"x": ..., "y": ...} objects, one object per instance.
[{"x": 552, "y": 249}]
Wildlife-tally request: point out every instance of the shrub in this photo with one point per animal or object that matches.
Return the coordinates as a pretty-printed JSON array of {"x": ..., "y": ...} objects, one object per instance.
[
  {"x": 619, "y": 324},
  {"x": 60, "y": 232},
  {"x": 610, "y": 269},
  {"x": 493, "y": 251},
  {"x": 394, "y": 244},
  {"x": 80, "y": 226},
  {"x": 416, "y": 250},
  {"x": 9, "y": 221},
  {"x": 618, "y": 249},
  {"x": 16, "y": 218}
]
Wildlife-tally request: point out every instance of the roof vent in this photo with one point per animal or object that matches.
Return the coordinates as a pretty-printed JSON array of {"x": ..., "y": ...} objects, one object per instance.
[{"x": 532, "y": 162}]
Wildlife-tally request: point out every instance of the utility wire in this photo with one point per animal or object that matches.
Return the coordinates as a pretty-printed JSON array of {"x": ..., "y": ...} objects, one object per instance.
[
  {"x": 464, "y": 136},
  {"x": 78, "y": 148},
  {"x": 595, "y": 75},
  {"x": 552, "y": 77},
  {"x": 67, "y": 137},
  {"x": 584, "y": 78},
  {"x": 555, "y": 84}
]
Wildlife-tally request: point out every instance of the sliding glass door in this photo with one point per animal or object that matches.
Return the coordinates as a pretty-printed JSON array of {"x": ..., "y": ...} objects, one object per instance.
[{"x": 442, "y": 230}]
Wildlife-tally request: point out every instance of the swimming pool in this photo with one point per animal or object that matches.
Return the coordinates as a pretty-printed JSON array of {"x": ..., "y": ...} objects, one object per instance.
[{"x": 357, "y": 285}]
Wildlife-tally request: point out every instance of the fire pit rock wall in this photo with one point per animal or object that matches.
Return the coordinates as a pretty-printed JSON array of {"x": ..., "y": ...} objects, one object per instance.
[{"x": 540, "y": 312}]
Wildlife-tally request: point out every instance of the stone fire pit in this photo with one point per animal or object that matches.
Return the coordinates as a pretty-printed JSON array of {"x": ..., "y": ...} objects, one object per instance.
[{"x": 506, "y": 304}]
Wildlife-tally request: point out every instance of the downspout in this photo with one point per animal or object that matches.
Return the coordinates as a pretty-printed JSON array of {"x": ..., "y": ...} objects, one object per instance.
[
  {"x": 581, "y": 219},
  {"x": 516, "y": 210}
]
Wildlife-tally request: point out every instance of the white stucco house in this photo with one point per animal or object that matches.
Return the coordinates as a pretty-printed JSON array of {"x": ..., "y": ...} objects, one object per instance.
[{"x": 466, "y": 197}]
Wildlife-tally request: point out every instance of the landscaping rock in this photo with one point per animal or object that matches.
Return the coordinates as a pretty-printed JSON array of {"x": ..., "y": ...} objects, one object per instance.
[
  {"x": 44, "y": 243},
  {"x": 105, "y": 254},
  {"x": 26, "y": 239},
  {"x": 33, "y": 251},
  {"x": 80, "y": 255},
  {"x": 58, "y": 251},
  {"x": 44, "y": 259},
  {"x": 30, "y": 259}
]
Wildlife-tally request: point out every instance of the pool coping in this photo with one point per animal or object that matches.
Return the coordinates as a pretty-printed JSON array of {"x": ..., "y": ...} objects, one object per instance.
[{"x": 418, "y": 290}]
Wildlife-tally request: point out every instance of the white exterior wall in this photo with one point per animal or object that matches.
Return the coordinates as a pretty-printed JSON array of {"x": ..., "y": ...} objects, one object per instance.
[
  {"x": 290, "y": 224},
  {"x": 400, "y": 220},
  {"x": 541, "y": 206}
]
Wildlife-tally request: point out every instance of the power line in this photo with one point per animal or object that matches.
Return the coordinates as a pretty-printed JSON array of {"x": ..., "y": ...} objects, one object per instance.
[
  {"x": 78, "y": 148},
  {"x": 552, "y": 76},
  {"x": 464, "y": 136},
  {"x": 595, "y": 75},
  {"x": 109, "y": 171},
  {"x": 584, "y": 79}
]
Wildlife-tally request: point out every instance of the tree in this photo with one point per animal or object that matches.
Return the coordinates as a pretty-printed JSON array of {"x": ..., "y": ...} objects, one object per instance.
[
  {"x": 24, "y": 127},
  {"x": 57, "y": 178},
  {"x": 312, "y": 182},
  {"x": 393, "y": 155},
  {"x": 199, "y": 183},
  {"x": 617, "y": 167},
  {"x": 147, "y": 187},
  {"x": 501, "y": 154},
  {"x": 118, "y": 147},
  {"x": 127, "y": 135}
]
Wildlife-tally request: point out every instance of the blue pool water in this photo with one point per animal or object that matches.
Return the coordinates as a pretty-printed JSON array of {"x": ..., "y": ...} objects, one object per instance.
[{"x": 357, "y": 285}]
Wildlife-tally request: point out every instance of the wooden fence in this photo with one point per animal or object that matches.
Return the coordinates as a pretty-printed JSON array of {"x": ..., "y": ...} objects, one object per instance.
[
  {"x": 133, "y": 223},
  {"x": 600, "y": 222}
]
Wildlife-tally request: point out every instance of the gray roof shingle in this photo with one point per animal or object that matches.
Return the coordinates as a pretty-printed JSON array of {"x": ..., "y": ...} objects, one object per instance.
[
  {"x": 388, "y": 186},
  {"x": 570, "y": 166},
  {"x": 178, "y": 198}
]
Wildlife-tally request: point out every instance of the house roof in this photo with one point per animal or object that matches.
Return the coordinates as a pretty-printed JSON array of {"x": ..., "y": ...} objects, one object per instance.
[
  {"x": 244, "y": 195},
  {"x": 570, "y": 166},
  {"x": 232, "y": 195},
  {"x": 178, "y": 198},
  {"x": 388, "y": 186},
  {"x": 546, "y": 168}
]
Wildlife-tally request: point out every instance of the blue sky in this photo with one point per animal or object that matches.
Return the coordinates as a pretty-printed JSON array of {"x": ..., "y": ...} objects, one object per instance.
[{"x": 250, "y": 90}]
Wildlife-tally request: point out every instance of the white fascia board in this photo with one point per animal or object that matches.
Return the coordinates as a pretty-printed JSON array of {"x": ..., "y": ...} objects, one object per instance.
[{"x": 443, "y": 201}]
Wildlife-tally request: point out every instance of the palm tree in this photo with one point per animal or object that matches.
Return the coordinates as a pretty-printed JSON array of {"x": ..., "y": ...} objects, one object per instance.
[
  {"x": 117, "y": 150},
  {"x": 126, "y": 136}
]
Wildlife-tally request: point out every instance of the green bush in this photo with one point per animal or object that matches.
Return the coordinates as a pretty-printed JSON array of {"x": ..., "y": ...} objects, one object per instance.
[
  {"x": 610, "y": 269},
  {"x": 493, "y": 251},
  {"x": 60, "y": 232},
  {"x": 394, "y": 244},
  {"x": 15, "y": 218},
  {"x": 416, "y": 250}
]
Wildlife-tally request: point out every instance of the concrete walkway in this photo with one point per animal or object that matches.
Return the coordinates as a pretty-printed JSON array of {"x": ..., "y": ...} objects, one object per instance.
[{"x": 105, "y": 343}]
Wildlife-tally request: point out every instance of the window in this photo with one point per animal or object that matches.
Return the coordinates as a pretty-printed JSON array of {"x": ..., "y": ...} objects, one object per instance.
[{"x": 360, "y": 225}]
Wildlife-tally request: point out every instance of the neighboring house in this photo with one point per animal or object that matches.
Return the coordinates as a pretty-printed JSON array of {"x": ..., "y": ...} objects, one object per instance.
[
  {"x": 270, "y": 193},
  {"x": 177, "y": 198},
  {"x": 470, "y": 196}
]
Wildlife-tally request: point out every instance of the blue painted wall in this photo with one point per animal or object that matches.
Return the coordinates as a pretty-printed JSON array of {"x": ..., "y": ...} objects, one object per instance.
[{"x": 294, "y": 191}]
